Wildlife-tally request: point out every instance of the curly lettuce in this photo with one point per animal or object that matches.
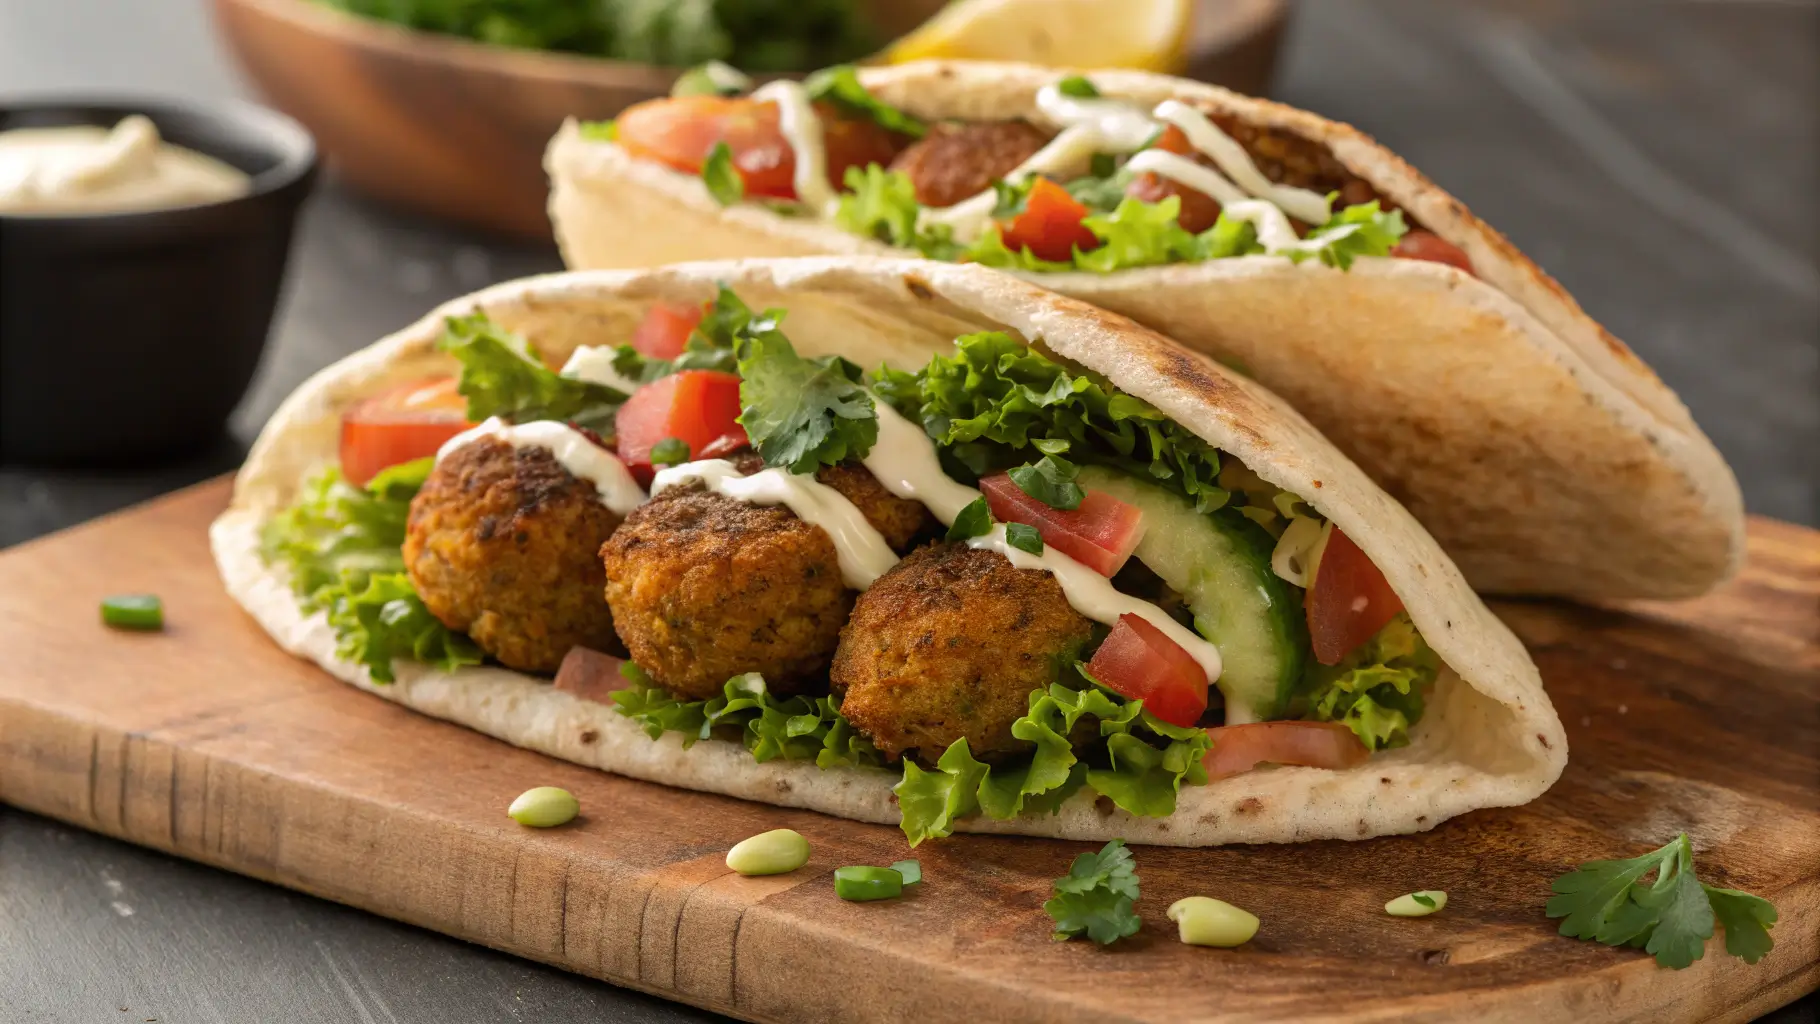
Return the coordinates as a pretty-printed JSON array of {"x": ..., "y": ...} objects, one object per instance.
[
  {"x": 342, "y": 546},
  {"x": 1136, "y": 760},
  {"x": 793, "y": 728},
  {"x": 996, "y": 398},
  {"x": 502, "y": 376},
  {"x": 881, "y": 205},
  {"x": 1378, "y": 690}
]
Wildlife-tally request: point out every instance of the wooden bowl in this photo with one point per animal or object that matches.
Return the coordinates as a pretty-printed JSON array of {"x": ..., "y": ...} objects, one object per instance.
[{"x": 456, "y": 129}]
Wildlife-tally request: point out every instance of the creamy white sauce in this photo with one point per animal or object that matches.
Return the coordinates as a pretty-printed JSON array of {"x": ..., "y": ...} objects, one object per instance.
[
  {"x": 1275, "y": 232},
  {"x": 904, "y": 461},
  {"x": 91, "y": 170},
  {"x": 1095, "y": 597},
  {"x": 1119, "y": 126},
  {"x": 572, "y": 449},
  {"x": 864, "y": 556},
  {"x": 1225, "y": 151},
  {"x": 1183, "y": 171},
  {"x": 594, "y": 364},
  {"x": 803, "y": 130}
]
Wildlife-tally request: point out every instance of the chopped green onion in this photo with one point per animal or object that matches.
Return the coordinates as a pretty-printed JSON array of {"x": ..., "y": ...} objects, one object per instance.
[
  {"x": 133, "y": 611},
  {"x": 911, "y": 871},
  {"x": 861, "y": 884}
]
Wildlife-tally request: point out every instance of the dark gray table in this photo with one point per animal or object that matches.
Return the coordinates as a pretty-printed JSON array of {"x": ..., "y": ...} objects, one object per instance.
[{"x": 1660, "y": 158}]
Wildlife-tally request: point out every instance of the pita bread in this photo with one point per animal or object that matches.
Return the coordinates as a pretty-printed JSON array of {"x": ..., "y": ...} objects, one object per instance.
[
  {"x": 1489, "y": 738},
  {"x": 1538, "y": 449}
]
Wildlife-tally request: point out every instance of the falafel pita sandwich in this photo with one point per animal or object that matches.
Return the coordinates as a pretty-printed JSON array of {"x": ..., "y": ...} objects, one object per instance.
[
  {"x": 899, "y": 541},
  {"x": 1543, "y": 455}
]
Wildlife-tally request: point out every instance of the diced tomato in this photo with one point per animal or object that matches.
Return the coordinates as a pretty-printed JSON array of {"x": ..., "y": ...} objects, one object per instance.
[
  {"x": 1100, "y": 534},
  {"x": 1139, "y": 661},
  {"x": 1050, "y": 226},
  {"x": 698, "y": 407},
  {"x": 682, "y": 131},
  {"x": 1240, "y": 748},
  {"x": 1199, "y": 210},
  {"x": 1426, "y": 245},
  {"x": 665, "y": 330},
  {"x": 1349, "y": 602},
  {"x": 591, "y": 675},
  {"x": 406, "y": 423}
]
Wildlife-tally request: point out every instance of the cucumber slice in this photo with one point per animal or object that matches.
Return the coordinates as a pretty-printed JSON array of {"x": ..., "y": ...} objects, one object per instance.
[{"x": 1220, "y": 564}]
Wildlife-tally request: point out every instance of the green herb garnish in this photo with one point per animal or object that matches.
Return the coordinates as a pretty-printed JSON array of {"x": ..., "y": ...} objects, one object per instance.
[
  {"x": 671, "y": 451},
  {"x": 1607, "y": 901},
  {"x": 1024, "y": 537},
  {"x": 721, "y": 177},
  {"x": 133, "y": 611},
  {"x": 1097, "y": 896},
  {"x": 974, "y": 521},
  {"x": 801, "y": 413},
  {"x": 502, "y": 376},
  {"x": 840, "y": 86},
  {"x": 1078, "y": 87},
  {"x": 1050, "y": 481}
]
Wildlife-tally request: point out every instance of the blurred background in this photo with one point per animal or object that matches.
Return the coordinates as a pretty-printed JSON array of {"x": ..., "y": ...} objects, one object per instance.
[{"x": 1659, "y": 157}]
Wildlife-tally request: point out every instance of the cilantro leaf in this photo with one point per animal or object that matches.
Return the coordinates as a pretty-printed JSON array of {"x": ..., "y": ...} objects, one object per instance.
[
  {"x": 973, "y": 521},
  {"x": 710, "y": 345},
  {"x": 721, "y": 177},
  {"x": 1608, "y": 901},
  {"x": 502, "y": 376},
  {"x": 1024, "y": 537},
  {"x": 1097, "y": 896},
  {"x": 1050, "y": 481},
  {"x": 840, "y": 86},
  {"x": 801, "y": 413},
  {"x": 671, "y": 451},
  {"x": 1078, "y": 87}
]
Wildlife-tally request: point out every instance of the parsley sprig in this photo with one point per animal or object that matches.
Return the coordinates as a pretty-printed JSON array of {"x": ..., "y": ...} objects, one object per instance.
[
  {"x": 1097, "y": 896},
  {"x": 1671, "y": 918}
]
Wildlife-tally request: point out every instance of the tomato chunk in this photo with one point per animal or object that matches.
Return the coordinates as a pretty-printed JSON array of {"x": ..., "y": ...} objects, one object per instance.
[
  {"x": 1100, "y": 534},
  {"x": 665, "y": 330},
  {"x": 1240, "y": 748},
  {"x": 591, "y": 675},
  {"x": 1426, "y": 245},
  {"x": 406, "y": 423},
  {"x": 1199, "y": 210},
  {"x": 1349, "y": 602},
  {"x": 698, "y": 407},
  {"x": 1139, "y": 661},
  {"x": 682, "y": 131},
  {"x": 1050, "y": 226}
]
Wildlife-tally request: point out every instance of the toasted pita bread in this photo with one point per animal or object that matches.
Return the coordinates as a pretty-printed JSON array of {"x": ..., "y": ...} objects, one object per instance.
[
  {"x": 1489, "y": 738},
  {"x": 1538, "y": 449}
]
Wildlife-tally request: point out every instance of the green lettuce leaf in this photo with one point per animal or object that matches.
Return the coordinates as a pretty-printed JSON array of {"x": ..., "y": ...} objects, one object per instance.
[
  {"x": 1362, "y": 229},
  {"x": 1138, "y": 762},
  {"x": 1377, "y": 690},
  {"x": 792, "y": 728},
  {"x": 383, "y": 618},
  {"x": 710, "y": 345},
  {"x": 990, "y": 250},
  {"x": 502, "y": 376},
  {"x": 1137, "y": 234},
  {"x": 881, "y": 205},
  {"x": 341, "y": 545},
  {"x": 801, "y": 413},
  {"x": 995, "y": 398},
  {"x": 840, "y": 86}
]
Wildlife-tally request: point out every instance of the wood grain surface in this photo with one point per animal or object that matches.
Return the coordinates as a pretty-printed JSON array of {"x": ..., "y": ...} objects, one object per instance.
[{"x": 208, "y": 742}]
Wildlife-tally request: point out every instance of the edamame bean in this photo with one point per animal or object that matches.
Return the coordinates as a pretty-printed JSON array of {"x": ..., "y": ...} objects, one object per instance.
[
  {"x": 1417, "y": 904},
  {"x": 544, "y": 807},
  {"x": 861, "y": 883},
  {"x": 769, "y": 853},
  {"x": 1205, "y": 921}
]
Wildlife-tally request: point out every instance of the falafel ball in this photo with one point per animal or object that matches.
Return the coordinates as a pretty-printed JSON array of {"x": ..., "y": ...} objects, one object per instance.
[
  {"x": 957, "y": 160},
  {"x": 949, "y": 644},
  {"x": 501, "y": 544},
  {"x": 704, "y": 587}
]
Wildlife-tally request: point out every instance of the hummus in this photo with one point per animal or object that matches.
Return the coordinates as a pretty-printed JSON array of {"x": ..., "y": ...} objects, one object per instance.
[{"x": 82, "y": 169}]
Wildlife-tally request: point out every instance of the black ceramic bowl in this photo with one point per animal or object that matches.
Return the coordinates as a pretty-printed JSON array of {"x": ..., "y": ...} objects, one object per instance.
[{"x": 131, "y": 337}]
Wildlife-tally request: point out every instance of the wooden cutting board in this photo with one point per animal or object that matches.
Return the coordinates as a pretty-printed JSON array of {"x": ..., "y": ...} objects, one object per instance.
[{"x": 207, "y": 742}]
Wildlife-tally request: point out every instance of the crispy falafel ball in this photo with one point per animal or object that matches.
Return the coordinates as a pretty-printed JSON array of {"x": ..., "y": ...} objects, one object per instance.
[
  {"x": 704, "y": 587},
  {"x": 501, "y": 544},
  {"x": 950, "y": 643}
]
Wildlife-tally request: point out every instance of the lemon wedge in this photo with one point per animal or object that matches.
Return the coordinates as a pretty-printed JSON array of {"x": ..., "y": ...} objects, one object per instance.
[{"x": 1149, "y": 35}]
